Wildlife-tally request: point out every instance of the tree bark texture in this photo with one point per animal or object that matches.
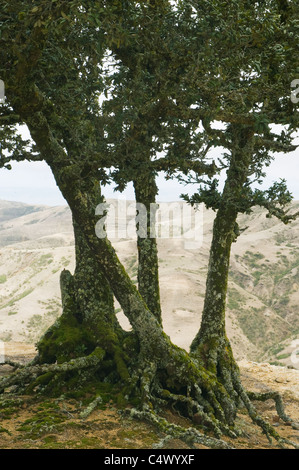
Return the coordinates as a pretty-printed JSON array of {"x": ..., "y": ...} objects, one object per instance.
[{"x": 148, "y": 265}]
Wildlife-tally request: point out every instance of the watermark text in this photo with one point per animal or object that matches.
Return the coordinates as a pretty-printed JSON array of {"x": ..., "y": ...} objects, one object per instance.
[{"x": 168, "y": 220}]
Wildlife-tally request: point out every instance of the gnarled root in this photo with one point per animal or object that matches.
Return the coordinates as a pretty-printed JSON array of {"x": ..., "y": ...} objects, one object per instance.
[
  {"x": 191, "y": 391},
  {"x": 190, "y": 435},
  {"x": 209, "y": 398},
  {"x": 267, "y": 429},
  {"x": 26, "y": 378},
  {"x": 271, "y": 395}
]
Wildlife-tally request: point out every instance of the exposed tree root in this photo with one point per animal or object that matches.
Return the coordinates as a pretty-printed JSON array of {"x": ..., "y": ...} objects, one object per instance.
[
  {"x": 15, "y": 365},
  {"x": 183, "y": 383},
  {"x": 85, "y": 413},
  {"x": 28, "y": 377},
  {"x": 198, "y": 394},
  {"x": 190, "y": 435},
  {"x": 267, "y": 429},
  {"x": 271, "y": 396}
]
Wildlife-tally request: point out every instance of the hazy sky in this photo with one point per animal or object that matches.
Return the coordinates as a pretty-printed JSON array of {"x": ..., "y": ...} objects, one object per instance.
[{"x": 33, "y": 183}]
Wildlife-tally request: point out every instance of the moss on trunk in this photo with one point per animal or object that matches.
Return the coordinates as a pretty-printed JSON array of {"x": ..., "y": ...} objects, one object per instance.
[
  {"x": 148, "y": 266},
  {"x": 88, "y": 320}
]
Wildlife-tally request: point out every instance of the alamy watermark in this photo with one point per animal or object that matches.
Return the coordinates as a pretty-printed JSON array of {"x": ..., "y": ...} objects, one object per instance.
[
  {"x": 295, "y": 93},
  {"x": 2, "y": 91},
  {"x": 122, "y": 219}
]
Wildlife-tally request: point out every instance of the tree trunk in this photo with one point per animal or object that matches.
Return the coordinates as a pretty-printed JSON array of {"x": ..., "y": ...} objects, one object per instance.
[
  {"x": 88, "y": 317},
  {"x": 88, "y": 320},
  {"x": 211, "y": 345},
  {"x": 212, "y": 327},
  {"x": 148, "y": 267}
]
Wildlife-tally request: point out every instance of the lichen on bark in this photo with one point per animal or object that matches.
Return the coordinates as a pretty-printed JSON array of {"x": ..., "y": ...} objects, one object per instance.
[{"x": 148, "y": 265}]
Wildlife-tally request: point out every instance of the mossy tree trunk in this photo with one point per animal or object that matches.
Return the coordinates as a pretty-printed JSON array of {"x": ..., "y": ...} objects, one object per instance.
[
  {"x": 88, "y": 319},
  {"x": 148, "y": 265},
  {"x": 211, "y": 345},
  {"x": 159, "y": 372}
]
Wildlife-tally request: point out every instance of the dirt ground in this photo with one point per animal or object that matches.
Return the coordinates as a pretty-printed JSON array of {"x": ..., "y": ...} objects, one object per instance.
[{"x": 29, "y": 423}]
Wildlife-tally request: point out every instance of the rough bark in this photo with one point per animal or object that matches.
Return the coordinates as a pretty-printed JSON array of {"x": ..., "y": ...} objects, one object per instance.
[
  {"x": 88, "y": 320},
  {"x": 211, "y": 345},
  {"x": 148, "y": 267}
]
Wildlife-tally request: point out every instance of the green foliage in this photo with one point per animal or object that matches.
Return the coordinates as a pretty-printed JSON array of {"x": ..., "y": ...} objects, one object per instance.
[{"x": 169, "y": 70}]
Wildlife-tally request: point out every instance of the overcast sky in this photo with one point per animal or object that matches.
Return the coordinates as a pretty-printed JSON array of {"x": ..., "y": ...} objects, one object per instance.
[{"x": 33, "y": 183}]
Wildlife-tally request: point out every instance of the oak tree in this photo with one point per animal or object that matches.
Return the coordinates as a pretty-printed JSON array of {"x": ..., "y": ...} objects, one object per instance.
[{"x": 225, "y": 57}]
